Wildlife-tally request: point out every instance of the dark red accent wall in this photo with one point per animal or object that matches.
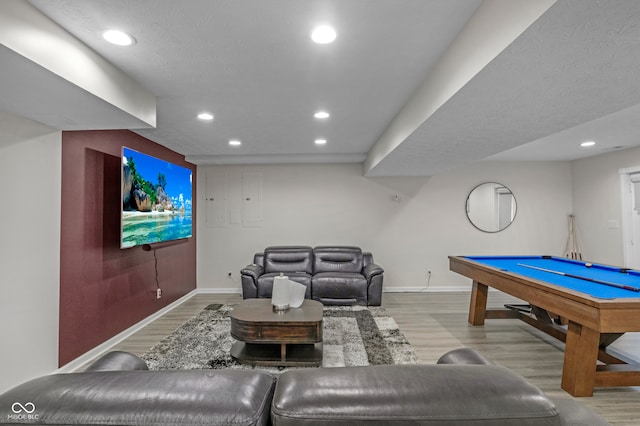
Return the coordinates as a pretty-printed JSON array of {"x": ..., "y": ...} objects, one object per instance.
[{"x": 103, "y": 289}]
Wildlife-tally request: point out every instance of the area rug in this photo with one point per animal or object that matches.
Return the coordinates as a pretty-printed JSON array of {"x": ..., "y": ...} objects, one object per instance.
[{"x": 352, "y": 335}]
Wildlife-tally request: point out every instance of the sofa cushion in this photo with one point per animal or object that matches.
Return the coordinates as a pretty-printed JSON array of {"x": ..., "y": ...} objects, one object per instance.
[
  {"x": 410, "y": 394},
  {"x": 339, "y": 287},
  {"x": 288, "y": 259},
  {"x": 194, "y": 397},
  {"x": 265, "y": 282},
  {"x": 337, "y": 259}
]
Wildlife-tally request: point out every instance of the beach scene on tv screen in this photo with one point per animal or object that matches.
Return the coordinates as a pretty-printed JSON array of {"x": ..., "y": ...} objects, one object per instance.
[{"x": 156, "y": 200}]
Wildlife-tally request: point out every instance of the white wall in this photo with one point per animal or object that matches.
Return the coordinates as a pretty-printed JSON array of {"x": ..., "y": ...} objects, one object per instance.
[
  {"x": 336, "y": 204},
  {"x": 30, "y": 176},
  {"x": 598, "y": 204}
]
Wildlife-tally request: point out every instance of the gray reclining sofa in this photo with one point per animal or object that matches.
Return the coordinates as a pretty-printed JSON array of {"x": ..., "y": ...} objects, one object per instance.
[
  {"x": 333, "y": 275},
  {"x": 465, "y": 389}
]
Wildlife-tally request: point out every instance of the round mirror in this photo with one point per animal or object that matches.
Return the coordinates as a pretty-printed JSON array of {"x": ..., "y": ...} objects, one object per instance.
[{"x": 491, "y": 207}]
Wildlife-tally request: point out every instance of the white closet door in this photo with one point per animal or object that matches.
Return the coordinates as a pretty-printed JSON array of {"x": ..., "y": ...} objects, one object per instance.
[
  {"x": 251, "y": 199},
  {"x": 216, "y": 199}
]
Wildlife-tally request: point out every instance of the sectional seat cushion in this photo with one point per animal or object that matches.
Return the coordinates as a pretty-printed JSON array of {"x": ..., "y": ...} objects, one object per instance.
[
  {"x": 177, "y": 397},
  {"x": 265, "y": 282},
  {"x": 448, "y": 395},
  {"x": 338, "y": 277},
  {"x": 344, "y": 288}
]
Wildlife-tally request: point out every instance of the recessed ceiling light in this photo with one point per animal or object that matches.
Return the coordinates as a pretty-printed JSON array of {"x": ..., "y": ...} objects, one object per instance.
[
  {"x": 587, "y": 144},
  {"x": 118, "y": 37},
  {"x": 323, "y": 34},
  {"x": 321, "y": 114},
  {"x": 320, "y": 141},
  {"x": 205, "y": 116},
  {"x": 235, "y": 142}
]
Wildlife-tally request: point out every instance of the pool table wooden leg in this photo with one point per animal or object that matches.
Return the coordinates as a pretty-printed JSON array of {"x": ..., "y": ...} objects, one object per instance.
[
  {"x": 478, "y": 303},
  {"x": 580, "y": 357}
]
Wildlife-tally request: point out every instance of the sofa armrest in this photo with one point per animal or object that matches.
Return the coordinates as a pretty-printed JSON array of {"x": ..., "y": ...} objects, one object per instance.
[
  {"x": 249, "y": 276},
  {"x": 464, "y": 356},
  {"x": 374, "y": 276},
  {"x": 371, "y": 270},
  {"x": 253, "y": 271}
]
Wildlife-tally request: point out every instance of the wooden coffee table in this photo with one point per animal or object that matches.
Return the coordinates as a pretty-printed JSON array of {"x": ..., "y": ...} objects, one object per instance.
[{"x": 286, "y": 338}]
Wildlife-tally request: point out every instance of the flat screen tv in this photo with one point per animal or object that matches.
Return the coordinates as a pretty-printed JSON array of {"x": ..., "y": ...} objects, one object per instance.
[{"x": 156, "y": 200}]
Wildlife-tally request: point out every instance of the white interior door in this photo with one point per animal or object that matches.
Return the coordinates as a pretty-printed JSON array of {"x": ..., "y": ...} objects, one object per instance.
[{"x": 630, "y": 187}]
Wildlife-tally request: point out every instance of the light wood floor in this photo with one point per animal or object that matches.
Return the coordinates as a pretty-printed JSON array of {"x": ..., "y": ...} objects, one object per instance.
[{"x": 435, "y": 323}]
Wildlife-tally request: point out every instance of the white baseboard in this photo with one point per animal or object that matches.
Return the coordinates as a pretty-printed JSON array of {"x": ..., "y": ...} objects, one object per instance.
[
  {"x": 430, "y": 289},
  {"x": 104, "y": 347},
  {"x": 229, "y": 290}
]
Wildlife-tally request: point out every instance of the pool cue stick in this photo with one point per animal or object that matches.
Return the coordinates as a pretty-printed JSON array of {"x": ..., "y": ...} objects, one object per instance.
[
  {"x": 593, "y": 280},
  {"x": 574, "y": 253},
  {"x": 575, "y": 236}
]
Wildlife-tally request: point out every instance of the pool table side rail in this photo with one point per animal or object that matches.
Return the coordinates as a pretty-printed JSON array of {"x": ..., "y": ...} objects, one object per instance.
[{"x": 604, "y": 315}]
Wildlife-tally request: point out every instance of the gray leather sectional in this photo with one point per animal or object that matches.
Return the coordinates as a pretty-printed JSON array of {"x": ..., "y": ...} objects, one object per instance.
[
  {"x": 333, "y": 275},
  {"x": 464, "y": 389}
]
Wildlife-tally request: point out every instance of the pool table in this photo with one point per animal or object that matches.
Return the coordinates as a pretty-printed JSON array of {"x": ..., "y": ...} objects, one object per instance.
[{"x": 588, "y": 306}]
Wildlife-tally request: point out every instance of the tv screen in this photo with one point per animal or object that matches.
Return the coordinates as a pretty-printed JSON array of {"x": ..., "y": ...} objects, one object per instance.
[{"x": 156, "y": 200}]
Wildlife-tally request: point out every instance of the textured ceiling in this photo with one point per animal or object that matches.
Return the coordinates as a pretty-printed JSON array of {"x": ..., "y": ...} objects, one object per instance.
[
  {"x": 571, "y": 74},
  {"x": 577, "y": 63},
  {"x": 252, "y": 64}
]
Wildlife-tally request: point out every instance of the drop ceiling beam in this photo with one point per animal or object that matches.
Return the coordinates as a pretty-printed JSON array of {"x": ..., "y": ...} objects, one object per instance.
[
  {"x": 494, "y": 26},
  {"x": 80, "y": 72}
]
